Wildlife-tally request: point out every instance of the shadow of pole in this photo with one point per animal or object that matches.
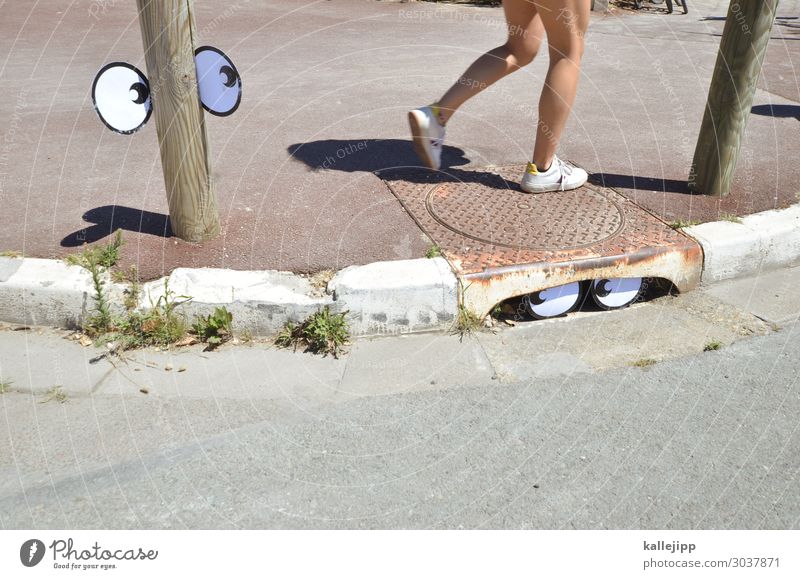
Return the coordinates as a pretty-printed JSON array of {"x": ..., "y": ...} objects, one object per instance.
[{"x": 108, "y": 218}]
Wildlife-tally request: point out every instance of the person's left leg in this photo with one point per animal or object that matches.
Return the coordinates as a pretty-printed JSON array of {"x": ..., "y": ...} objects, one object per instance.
[{"x": 525, "y": 34}]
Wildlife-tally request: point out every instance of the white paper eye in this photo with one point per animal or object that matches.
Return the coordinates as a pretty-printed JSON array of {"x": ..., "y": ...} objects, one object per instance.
[
  {"x": 121, "y": 97},
  {"x": 218, "y": 81},
  {"x": 553, "y": 302},
  {"x": 612, "y": 294}
]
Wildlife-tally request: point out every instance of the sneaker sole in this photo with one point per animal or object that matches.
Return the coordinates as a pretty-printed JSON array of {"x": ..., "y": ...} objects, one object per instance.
[{"x": 419, "y": 140}]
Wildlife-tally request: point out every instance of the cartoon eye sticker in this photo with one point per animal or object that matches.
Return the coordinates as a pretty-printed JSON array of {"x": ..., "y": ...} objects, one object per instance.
[
  {"x": 613, "y": 294},
  {"x": 121, "y": 97},
  {"x": 553, "y": 302},
  {"x": 218, "y": 81}
]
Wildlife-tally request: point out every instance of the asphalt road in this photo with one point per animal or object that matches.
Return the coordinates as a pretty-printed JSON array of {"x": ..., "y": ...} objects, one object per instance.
[{"x": 467, "y": 435}]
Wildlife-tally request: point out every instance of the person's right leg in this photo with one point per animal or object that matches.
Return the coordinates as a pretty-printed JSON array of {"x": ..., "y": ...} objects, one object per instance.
[{"x": 565, "y": 22}]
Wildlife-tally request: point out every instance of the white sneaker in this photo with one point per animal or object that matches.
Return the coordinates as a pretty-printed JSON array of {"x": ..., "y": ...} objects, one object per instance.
[
  {"x": 561, "y": 176},
  {"x": 428, "y": 135}
]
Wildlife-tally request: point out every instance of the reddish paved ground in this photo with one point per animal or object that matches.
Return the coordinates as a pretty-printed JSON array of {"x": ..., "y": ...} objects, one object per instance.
[{"x": 322, "y": 77}]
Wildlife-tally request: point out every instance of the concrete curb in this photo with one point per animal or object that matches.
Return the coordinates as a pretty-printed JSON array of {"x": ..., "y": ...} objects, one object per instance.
[
  {"x": 382, "y": 298},
  {"x": 760, "y": 242}
]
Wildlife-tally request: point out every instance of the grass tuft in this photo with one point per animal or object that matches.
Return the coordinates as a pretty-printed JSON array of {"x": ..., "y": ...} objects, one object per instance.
[
  {"x": 433, "y": 251},
  {"x": 644, "y": 363},
  {"x": 214, "y": 329},
  {"x": 466, "y": 323},
  {"x": 321, "y": 333},
  {"x": 712, "y": 346},
  {"x": 55, "y": 394},
  {"x": 730, "y": 217},
  {"x": 681, "y": 223}
]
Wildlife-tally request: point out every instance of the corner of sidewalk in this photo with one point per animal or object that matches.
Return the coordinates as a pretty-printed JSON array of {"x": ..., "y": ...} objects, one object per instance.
[{"x": 382, "y": 298}]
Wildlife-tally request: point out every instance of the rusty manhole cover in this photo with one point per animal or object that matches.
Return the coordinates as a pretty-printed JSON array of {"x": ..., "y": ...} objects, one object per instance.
[
  {"x": 484, "y": 222},
  {"x": 497, "y": 212}
]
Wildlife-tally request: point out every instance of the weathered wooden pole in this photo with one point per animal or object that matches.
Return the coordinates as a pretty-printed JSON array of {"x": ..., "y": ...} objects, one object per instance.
[
  {"x": 733, "y": 86},
  {"x": 167, "y": 33}
]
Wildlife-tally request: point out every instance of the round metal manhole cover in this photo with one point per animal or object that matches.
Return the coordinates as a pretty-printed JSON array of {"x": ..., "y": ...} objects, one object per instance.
[{"x": 492, "y": 209}]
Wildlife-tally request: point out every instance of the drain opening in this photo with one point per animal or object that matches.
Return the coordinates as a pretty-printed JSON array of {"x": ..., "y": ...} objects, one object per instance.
[{"x": 585, "y": 296}]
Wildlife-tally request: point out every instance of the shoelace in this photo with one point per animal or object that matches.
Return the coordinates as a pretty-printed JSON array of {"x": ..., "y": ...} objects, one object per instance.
[{"x": 565, "y": 169}]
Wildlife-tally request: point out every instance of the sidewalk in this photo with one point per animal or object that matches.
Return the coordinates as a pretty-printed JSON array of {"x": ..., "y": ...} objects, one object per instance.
[{"x": 333, "y": 80}]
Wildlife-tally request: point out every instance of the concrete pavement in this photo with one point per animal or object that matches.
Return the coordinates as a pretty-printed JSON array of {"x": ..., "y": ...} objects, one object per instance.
[{"x": 599, "y": 420}]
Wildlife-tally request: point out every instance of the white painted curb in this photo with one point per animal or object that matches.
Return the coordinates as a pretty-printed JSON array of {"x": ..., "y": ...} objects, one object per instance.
[
  {"x": 391, "y": 297},
  {"x": 48, "y": 292},
  {"x": 761, "y": 242}
]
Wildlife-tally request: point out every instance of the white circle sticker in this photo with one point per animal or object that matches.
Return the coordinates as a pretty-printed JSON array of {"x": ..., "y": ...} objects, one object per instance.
[
  {"x": 121, "y": 97},
  {"x": 218, "y": 81}
]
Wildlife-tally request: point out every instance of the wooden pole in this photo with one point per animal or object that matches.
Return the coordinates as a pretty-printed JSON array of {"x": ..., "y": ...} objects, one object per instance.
[
  {"x": 167, "y": 33},
  {"x": 733, "y": 86}
]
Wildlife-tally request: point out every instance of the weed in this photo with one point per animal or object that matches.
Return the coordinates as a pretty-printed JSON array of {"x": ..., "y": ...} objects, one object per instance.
[
  {"x": 160, "y": 325},
  {"x": 321, "y": 333},
  {"x": 681, "y": 223},
  {"x": 644, "y": 363},
  {"x": 712, "y": 346},
  {"x": 97, "y": 260},
  {"x": 11, "y": 253},
  {"x": 106, "y": 256},
  {"x": 215, "y": 328},
  {"x": 467, "y": 322},
  {"x": 55, "y": 394},
  {"x": 100, "y": 322},
  {"x": 730, "y": 217},
  {"x": 131, "y": 276},
  {"x": 433, "y": 251},
  {"x": 5, "y": 386}
]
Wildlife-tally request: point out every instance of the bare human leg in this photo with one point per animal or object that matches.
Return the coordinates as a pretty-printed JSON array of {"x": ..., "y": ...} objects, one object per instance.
[
  {"x": 565, "y": 22},
  {"x": 525, "y": 34}
]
